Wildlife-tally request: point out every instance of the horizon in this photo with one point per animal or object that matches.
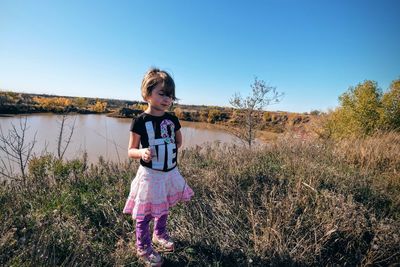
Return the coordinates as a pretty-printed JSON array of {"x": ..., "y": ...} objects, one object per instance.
[{"x": 311, "y": 51}]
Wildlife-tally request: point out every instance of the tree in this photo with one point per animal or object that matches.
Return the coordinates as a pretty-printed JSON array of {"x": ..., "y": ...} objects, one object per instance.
[
  {"x": 390, "y": 118},
  {"x": 16, "y": 149},
  {"x": 261, "y": 95},
  {"x": 364, "y": 104},
  {"x": 203, "y": 115},
  {"x": 359, "y": 111},
  {"x": 99, "y": 106},
  {"x": 364, "y": 109},
  {"x": 214, "y": 115},
  {"x": 315, "y": 112},
  {"x": 80, "y": 102},
  {"x": 63, "y": 141},
  {"x": 52, "y": 102}
]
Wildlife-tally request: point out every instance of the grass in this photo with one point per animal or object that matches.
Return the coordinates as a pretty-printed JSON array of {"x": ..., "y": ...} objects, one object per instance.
[{"x": 291, "y": 202}]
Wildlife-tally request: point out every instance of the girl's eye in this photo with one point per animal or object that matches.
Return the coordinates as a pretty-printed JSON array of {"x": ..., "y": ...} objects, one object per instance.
[{"x": 164, "y": 94}]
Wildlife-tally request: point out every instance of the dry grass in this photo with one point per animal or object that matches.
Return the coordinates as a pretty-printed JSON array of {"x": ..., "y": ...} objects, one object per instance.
[
  {"x": 293, "y": 202},
  {"x": 267, "y": 136},
  {"x": 378, "y": 153}
]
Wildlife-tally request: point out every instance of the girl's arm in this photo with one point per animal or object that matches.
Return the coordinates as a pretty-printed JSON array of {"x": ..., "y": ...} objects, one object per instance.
[
  {"x": 134, "y": 151},
  {"x": 178, "y": 138}
]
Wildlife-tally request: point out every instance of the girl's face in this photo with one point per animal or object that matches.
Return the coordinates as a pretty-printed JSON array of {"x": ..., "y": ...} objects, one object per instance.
[{"x": 158, "y": 99}]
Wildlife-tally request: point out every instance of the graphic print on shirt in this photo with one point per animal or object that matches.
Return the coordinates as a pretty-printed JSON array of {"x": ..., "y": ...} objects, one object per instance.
[{"x": 164, "y": 148}]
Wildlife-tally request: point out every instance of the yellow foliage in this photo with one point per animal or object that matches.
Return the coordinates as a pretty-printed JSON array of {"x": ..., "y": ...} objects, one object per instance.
[
  {"x": 390, "y": 115},
  {"x": 140, "y": 106},
  {"x": 341, "y": 123},
  {"x": 364, "y": 110},
  {"x": 99, "y": 106},
  {"x": 52, "y": 102}
]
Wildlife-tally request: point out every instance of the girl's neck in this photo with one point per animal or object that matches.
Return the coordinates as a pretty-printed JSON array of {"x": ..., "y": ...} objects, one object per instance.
[{"x": 155, "y": 112}]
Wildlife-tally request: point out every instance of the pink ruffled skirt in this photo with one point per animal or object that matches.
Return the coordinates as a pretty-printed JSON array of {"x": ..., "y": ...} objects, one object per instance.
[{"x": 154, "y": 192}]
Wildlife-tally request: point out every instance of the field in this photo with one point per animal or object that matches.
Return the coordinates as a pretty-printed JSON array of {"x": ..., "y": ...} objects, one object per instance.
[{"x": 293, "y": 202}]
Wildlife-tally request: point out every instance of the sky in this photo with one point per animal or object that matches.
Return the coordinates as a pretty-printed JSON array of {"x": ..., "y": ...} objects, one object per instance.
[{"x": 311, "y": 51}]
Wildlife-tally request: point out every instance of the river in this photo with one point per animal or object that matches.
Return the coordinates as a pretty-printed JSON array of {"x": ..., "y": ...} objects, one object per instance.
[{"x": 99, "y": 135}]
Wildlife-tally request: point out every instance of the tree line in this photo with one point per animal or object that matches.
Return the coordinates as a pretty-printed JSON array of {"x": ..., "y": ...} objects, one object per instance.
[{"x": 11, "y": 102}]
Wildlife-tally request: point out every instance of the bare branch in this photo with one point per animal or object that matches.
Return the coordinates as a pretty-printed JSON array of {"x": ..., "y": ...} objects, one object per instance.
[
  {"x": 59, "y": 140},
  {"x": 261, "y": 96},
  {"x": 16, "y": 149},
  {"x": 61, "y": 149}
]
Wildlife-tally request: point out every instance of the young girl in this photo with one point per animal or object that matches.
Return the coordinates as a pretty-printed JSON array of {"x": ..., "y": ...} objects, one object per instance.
[{"x": 158, "y": 185}]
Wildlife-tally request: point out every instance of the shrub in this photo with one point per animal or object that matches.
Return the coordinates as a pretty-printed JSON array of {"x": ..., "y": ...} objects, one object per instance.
[
  {"x": 364, "y": 110},
  {"x": 390, "y": 117},
  {"x": 315, "y": 112},
  {"x": 267, "y": 117},
  {"x": 52, "y": 102},
  {"x": 99, "y": 107},
  {"x": 80, "y": 102},
  {"x": 213, "y": 115}
]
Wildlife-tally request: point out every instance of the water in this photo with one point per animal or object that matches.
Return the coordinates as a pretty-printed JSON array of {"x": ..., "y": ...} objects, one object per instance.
[{"x": 99, "y": 135}]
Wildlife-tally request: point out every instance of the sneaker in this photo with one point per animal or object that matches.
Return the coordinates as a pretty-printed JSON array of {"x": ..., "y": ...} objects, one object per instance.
[
  {"x": 163, "y": 243},
  {"x": 150, "y": 257}
]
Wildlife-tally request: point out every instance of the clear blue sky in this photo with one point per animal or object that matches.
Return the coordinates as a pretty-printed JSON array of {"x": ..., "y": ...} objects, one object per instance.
[{"x": 310, "y": 50}]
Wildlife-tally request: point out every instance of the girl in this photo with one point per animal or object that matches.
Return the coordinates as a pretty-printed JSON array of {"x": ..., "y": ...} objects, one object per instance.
[{"x": 158, "y": 185}]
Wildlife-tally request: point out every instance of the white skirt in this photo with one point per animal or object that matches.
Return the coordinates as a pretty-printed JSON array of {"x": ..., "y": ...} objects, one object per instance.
[{"x": 154, "y": 192}]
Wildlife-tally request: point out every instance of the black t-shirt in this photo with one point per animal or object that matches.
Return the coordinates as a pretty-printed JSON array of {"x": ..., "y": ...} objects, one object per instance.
[{"x": 158, "y": 133}]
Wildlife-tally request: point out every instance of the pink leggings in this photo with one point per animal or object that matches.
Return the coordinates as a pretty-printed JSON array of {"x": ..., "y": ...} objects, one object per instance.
[{"x": 143, "y": 239}]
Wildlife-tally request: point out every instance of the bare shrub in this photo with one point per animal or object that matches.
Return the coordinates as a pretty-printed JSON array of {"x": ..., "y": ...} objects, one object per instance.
[
  {"x": 16, "y": 149},
  {"x": 64, "y": 136},
  {"x": 260, "y": 96}
]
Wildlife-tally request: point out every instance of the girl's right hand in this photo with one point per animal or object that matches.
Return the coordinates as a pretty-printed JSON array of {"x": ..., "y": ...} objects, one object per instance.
[{"x": 146, "y": 155}]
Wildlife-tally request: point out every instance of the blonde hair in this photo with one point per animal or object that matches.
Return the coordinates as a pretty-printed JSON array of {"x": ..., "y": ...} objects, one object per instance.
[{"x": 155, "y": 76}]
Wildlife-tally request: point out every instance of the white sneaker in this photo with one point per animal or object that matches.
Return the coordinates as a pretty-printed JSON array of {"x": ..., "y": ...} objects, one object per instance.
[
  {"x": 150, "y": 257},
  {"x": 163, "y": 244}
]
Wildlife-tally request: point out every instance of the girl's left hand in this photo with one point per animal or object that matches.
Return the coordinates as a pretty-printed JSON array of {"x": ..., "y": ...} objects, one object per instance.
[{"x": 146, "y": 155}]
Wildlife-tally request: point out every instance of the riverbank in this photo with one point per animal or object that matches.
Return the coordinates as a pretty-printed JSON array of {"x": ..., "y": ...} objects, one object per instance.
[
  {"x": 291, "y": 203},
  {"x": 8, "y": 110}
]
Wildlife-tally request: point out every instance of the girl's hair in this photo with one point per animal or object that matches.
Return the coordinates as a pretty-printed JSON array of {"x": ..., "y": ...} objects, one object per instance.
[{"x": 155, "y": 76}]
